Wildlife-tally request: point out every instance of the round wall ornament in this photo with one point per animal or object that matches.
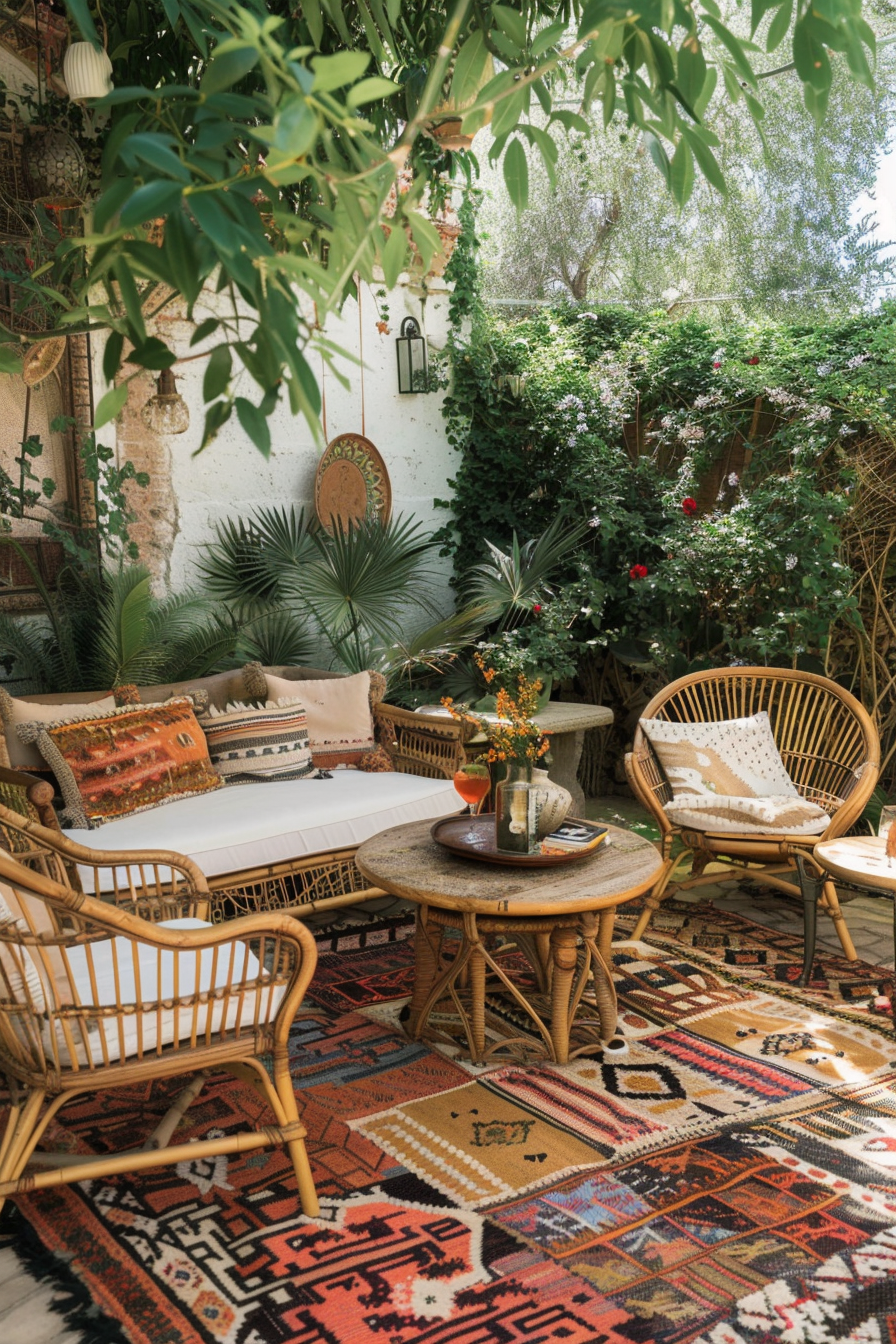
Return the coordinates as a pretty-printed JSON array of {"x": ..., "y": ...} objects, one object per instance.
[{"x": 352, "y": 483}]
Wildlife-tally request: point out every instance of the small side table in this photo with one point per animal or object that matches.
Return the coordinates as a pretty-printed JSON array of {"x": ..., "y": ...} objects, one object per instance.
[
  {"x": 858, "y": 859},
  {"x": 561, "y": 918},
  {"x": 567, "y": 721}
]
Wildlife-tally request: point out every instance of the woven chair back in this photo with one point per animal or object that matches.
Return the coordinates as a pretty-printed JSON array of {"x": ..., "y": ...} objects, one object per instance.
[{"x": 826, "y": 739}]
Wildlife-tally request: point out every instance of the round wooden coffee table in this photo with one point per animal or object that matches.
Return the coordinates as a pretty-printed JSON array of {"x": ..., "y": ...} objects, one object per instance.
[{"x": 560, "y": 918}]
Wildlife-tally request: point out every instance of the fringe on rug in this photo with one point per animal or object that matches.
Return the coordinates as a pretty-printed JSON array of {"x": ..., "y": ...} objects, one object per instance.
[{"x": 71, "y": 1298}]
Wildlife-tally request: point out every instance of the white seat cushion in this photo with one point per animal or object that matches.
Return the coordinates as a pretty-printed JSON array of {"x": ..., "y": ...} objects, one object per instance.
[
  {"x": 788, "y": 814},
  {"x": 197, "y": 973},
  {"x": 273, "y": 821}
]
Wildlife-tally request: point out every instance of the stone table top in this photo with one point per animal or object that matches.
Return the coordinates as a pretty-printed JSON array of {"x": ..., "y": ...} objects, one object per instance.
[
  {"x": 558, "y": 716},
  {"x": 858, "y": 858},
  {"x": 406, "y": 861}
]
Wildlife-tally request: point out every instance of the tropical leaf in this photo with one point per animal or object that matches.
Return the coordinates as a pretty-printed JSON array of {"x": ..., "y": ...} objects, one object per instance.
[
  {"x": 27, "y": 649},
  {"x": 364, "y": 580},
  {"x": 202, "y": 649},
  {"x": 509, "y": 583},
  {"x": 284, "y": 535},
  {"x": 122, "y": 627},
  {"x": 435, "y": 647},
  {"x": 236, "y": 568},
  {"x": 276, "y": 638}
]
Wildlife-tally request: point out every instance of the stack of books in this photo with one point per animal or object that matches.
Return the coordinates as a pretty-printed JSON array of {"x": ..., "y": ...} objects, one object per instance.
[{"x": 574, "y": 837}]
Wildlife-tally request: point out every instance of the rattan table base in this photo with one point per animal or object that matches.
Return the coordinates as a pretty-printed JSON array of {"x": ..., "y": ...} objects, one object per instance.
[
  {"x": 459, "y": 983},
  {"x": 560, "y": 918}
]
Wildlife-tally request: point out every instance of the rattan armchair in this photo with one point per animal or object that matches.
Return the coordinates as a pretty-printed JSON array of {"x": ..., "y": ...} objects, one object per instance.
[
  {"x": 107, "y": 993},
  {"x": 830, "y": 749}
]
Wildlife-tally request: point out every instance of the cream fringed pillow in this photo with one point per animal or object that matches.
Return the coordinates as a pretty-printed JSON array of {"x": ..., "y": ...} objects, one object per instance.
[
  {"x": 747, "y": 816},
  {"x": 340, "y": 724},
  {"x": 729, "y": 776}
]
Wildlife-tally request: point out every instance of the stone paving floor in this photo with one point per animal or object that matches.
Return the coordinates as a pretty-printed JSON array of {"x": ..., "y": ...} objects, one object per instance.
[{"x": 26, "y": 1310}]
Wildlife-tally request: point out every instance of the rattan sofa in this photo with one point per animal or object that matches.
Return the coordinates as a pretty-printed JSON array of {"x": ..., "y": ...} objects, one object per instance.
[{"x": 291, "y": 845}]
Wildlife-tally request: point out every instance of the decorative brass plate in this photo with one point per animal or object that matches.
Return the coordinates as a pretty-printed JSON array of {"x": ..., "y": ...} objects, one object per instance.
[{"x": 352, "y": 483}]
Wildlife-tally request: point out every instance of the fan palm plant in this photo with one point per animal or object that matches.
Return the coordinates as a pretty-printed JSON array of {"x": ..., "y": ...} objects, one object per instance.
[{"x": 346, "y": 596}]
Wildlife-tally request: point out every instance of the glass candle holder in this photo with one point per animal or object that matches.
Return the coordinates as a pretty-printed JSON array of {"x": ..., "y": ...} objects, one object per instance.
[{"x": 887, "y": 817}]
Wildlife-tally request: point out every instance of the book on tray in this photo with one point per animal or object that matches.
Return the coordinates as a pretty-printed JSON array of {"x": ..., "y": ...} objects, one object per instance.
[{"x": 574, "y": 837}]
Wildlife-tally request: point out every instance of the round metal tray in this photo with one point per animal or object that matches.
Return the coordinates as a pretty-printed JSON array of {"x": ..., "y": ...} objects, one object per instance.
[{"x": 452, "y": 832}]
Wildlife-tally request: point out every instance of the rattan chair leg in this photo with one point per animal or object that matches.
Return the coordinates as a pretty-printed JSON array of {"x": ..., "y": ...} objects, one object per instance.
[
  {"x": 832, "y": 905},
  {"x": 280, "y": 1096},
  {"x": 19, "y": 1126},
  {"x": 298, "y": 1153},
  {"x": 654, "y": 899}
]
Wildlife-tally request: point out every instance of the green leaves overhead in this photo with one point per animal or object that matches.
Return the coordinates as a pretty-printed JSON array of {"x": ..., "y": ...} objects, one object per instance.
[{"x": 265, "y": 154}]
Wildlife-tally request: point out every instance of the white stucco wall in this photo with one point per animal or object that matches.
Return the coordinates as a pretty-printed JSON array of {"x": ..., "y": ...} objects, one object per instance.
[{"x": 231, "y": 478}]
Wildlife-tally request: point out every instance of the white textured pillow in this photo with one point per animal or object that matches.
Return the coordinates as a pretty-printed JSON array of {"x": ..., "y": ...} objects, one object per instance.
[
  {"x": 340, "y": 724},
  {"x": 735, "y": 758}
]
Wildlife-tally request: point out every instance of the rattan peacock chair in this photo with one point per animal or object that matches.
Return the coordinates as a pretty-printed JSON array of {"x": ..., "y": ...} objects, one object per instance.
[
  {"x": 133, "y": 988},
  {"x": 830, "y": 749}
]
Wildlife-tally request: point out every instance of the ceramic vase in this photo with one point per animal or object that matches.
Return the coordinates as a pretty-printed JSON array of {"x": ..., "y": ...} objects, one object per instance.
[
  {"x": 552, "y": 803},
  {"x": 514, "y": 814}
]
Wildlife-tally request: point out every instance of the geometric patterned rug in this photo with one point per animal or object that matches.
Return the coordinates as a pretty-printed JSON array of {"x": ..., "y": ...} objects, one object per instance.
[{"x": 731, "y": 1179}]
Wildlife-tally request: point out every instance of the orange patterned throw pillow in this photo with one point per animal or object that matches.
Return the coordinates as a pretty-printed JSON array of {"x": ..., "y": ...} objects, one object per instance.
[{"x": 110, "y": 765}]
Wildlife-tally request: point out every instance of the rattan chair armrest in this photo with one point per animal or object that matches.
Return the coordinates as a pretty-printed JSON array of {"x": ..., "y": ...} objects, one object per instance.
[
  {"x": 266, "y": 925},
  {"x": 271, "y": 923},
  {"x": 422, "y": 744},
  {"x": 646, "y": 783},
  {"x": 39, "y": 793}
]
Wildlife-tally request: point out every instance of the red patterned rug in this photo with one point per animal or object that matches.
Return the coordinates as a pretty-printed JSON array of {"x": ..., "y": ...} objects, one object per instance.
[{"x": 730, "y": 1180}]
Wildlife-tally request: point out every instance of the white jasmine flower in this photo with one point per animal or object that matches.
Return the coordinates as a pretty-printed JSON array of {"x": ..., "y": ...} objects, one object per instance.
[{"x": 790, "y": 562}]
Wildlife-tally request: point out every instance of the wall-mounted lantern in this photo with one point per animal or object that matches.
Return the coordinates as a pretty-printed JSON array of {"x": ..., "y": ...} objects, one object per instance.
[{"x": 413, "y": 374}]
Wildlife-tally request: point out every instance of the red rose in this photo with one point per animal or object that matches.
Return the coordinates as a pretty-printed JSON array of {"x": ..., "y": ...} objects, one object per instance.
[
  {"x": 717, "y": 364},
  {"x": 689, "y": 506},
  {"x": 537, "y": 608},
  {"x": 754, "y": 359},
  {"x": 638, "y": 572}
]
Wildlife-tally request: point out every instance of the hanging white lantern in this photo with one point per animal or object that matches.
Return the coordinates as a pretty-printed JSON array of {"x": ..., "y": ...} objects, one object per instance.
[{"x": 87, "y": 72}]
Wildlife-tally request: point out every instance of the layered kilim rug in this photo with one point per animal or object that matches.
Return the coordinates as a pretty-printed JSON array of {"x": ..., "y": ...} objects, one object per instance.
[{"x": 729, "y": 1180}]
